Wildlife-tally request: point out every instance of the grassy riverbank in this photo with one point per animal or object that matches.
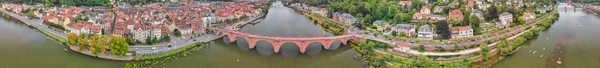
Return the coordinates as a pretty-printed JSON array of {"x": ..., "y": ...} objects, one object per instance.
[
  {"x": 199, "y": 45},
  {"x": 505, "y": 49},
  {"x": 377, "y": 57}
]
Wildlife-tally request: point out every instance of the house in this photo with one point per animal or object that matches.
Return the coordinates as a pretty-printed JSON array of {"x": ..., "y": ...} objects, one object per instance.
[
  {"x": 406, "y": 28},
  {"x": 456, "y": 15},
  {"x": 185, "y": 29},
  {"x": 529, "y": 16},
  {"x": 425, "y": 32},
  {"x": 425, "y": 10},
  {"x": 478, "y": 13},
  {"x": 324, "y": 12},
  {"x": 141, "y": 33},
  {"x": 505, "y": 19},
  {"x": 347, "y": 18},
  {"x": 425, "y": 1},
  {"x": 405, "y": 2},
  {"x": 437, "y": 17},
  {"x": 462, "y": 32},
  {"x": 479, "y": 1},
  {"x": 381, "y": 25},
  {"x": 469, "y": 5},
  {"x": 417, "y": 16},
  {"x": 437, "y": 9},
  {"x": 542, "y": 10},
  {"x": 483, "y": 6}
]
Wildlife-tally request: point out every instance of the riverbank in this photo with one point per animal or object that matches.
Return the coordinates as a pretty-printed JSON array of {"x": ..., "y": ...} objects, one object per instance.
[
  {"x": 497, "y": 51},
  {"x": 515, "y": 44},
  {"x": 58, "y": 39}
]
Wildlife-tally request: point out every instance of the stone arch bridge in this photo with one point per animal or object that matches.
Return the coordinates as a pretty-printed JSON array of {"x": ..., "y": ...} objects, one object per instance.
[{"x": 278, "y": 41}]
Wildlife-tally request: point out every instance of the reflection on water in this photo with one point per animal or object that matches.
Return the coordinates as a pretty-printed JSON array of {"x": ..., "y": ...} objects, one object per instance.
[
  {"x": 24, "y": 47},
  {"x": 284, "y": 21},
  {"x": 222, "y": 55},
  {"x": 581, "y": 28}
]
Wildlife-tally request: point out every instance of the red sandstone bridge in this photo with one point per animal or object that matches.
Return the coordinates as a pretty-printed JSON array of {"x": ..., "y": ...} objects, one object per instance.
[{"x": 278, "y": 41}]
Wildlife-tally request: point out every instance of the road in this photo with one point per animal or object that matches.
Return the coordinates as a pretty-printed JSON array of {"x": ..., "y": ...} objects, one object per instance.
[
  {"x": 180, "y": 42},
  {"x": 462, "y": 52}
]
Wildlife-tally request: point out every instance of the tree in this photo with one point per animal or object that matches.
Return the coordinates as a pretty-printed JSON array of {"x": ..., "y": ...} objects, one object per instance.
[
  {"x": 369, "y": 19},
  {"x": 148, "y": 40},
  {"x": 503, "y": 47},
  {"x": 474, "y": 22},
  {"x": 72, "y": 38},
  {"x": 492, "y": 13},
  {"x": 118, "y": 46},
  {"x": 421, "y": 48},
  {"x": 176, "y": 32},
  {"x": 165, "y": 38},
  {"x": 130, "y": 40},
  {"x": 94, "y": 44},
  {"x": 402, "y": 34},
  {"x": 102, "y": 43},
  {"x": 82, "y": 43},
  {"x": 443, "y": 30}
]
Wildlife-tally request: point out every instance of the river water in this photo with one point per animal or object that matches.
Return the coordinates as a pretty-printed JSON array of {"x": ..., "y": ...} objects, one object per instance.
[
  {"x": 280, "y": 21},
  {"x": 24, "y": 47},
  {"x": 579, "y": 27}
]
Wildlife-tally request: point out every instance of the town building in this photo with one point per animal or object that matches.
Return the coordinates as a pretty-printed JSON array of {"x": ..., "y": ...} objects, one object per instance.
[
  {"x": 529, "y": 16},
  {"x": 405, "y": 2},
  {"x": 478, "y": 13},
  {"x": 505, "y": 19},
  {"x": 456, "y": 15},
  {"x": 462, "y": 31},
  {"x": 425, "y": 10},
  {"x": 381, "y": 25},
  {"x": 425, "y": 32},
  {"x": 437, "y": 9},
  {"x": 408, "y": 29}
]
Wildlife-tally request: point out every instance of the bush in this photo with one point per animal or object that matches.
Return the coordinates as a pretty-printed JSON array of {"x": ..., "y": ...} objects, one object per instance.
[{"x": 56, "y": 26}]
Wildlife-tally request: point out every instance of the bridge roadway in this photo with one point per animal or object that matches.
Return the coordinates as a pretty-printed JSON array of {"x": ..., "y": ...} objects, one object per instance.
[{"x": 278, "y": 41}]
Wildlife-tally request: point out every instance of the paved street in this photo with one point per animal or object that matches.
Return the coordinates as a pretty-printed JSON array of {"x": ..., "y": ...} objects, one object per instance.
[
  {"x": 521, "y": 30},
  {"x": 180, "y": 42}
]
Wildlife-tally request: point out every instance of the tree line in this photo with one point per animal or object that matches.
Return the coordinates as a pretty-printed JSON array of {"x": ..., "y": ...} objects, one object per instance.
[{"x": 99, "y": 43}]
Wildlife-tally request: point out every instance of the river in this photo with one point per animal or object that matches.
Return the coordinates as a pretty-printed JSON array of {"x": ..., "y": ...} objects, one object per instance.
[
  {"x": 280, "y": 21},
  {"x": 578, "y": 27},
  {"x": 25, "y": 47}
]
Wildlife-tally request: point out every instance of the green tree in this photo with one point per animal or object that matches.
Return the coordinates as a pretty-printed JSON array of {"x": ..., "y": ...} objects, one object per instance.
[
  {"x": 443, "y": 30},
  {"x": 72, "y": 38},
  {"x": 118, "y": 45},
  {"x": 421, "y": 48},
  {"x": 94, "y": 43},
  {"x": 176, "y": 32},
  {"x": 402, "y": 34},
  {"x": 148, "y": 40},
  {"x": 474, "y": 23}
]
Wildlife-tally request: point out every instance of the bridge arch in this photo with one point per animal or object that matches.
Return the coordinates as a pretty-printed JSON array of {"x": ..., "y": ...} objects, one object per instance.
[
  {"x": 290, "y": 49},
  {"x": 264, "y": 48},
  {"x": 314, "y": 48}
]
